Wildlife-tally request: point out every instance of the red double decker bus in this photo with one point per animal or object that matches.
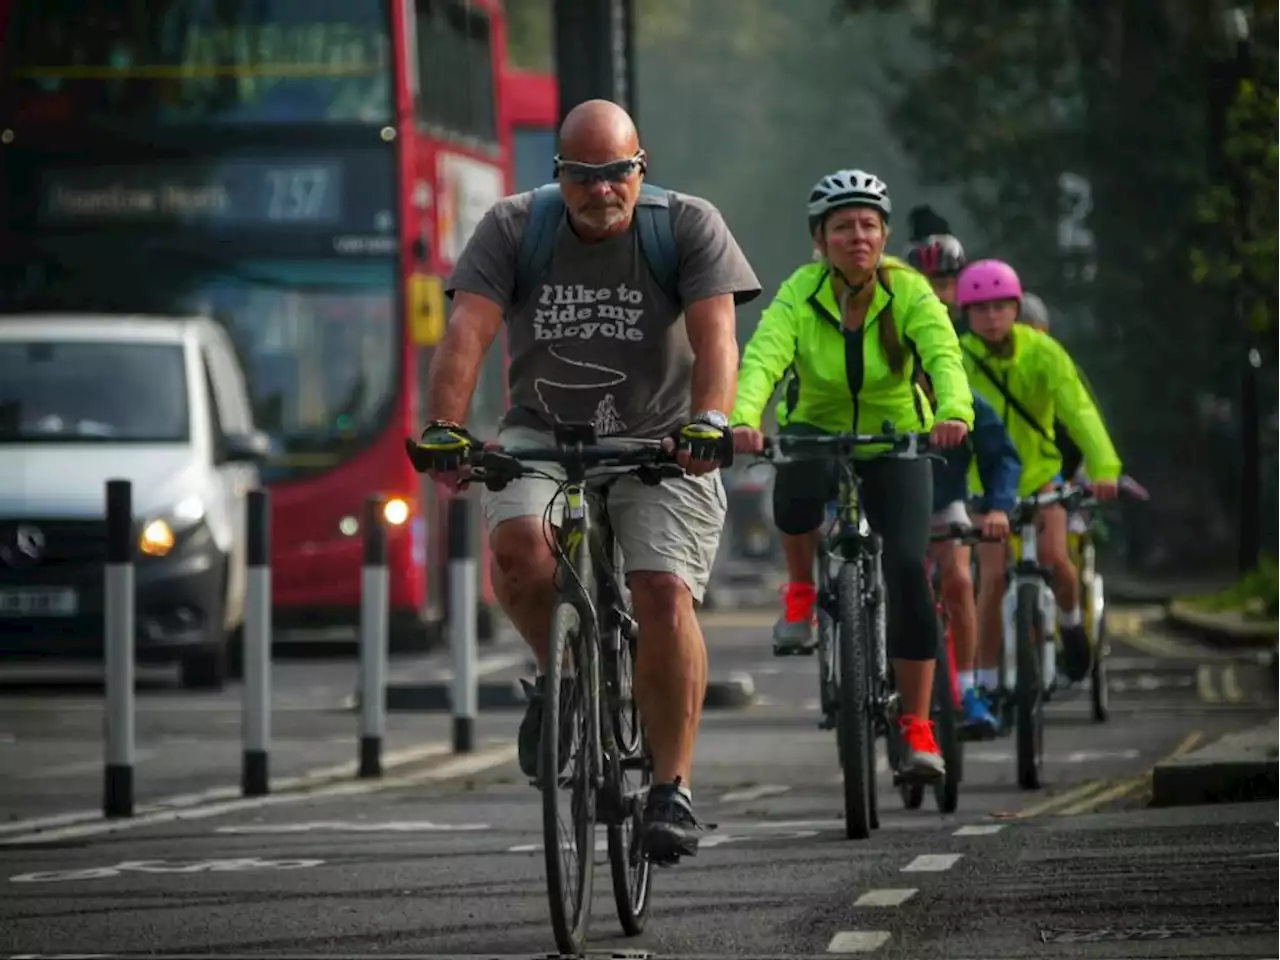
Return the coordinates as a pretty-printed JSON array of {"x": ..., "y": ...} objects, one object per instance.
[
  {"x": 306, "y": 172},
  {"x": 532, "y": 108}
]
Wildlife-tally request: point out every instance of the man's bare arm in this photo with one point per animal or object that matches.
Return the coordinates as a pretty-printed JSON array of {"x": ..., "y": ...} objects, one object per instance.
[
  {"x": 455, "y": 367},
  {"x": 712, "y": 327}
]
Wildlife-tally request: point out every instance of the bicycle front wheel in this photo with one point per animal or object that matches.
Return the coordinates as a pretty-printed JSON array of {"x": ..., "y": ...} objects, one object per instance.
[
  {"x": 1029, "y": 693},
  {"x": 947, "y": 790},
  {"x": 853, "y": 728},
  {"x": 630, "y": 776},
  {"x": 567, "y": 776}
]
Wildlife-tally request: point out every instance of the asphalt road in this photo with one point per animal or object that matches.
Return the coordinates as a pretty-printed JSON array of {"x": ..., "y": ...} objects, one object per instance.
[{"x": 442, "y": 856}]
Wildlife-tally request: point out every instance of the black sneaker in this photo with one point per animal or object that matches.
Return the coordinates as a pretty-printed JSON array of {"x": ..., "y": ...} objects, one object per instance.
[
  {"x": 1075, "y": 653},
  {"x": 671, "y": 830},
  {"x": 529, "y": 739}
]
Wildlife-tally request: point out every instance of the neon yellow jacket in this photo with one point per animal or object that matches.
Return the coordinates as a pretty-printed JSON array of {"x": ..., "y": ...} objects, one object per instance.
[
  {"x": 800, "y": 336},
  {"x": 1041, "y": 376}
]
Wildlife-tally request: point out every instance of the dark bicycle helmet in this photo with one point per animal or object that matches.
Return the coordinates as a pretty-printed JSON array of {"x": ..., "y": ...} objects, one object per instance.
[{"x": 940, "y": 255}]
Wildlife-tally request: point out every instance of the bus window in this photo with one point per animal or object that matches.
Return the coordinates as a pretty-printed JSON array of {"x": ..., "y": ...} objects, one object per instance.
[
  {"x": 174, "y": 62},
  {"x": 455, "y": 64}
]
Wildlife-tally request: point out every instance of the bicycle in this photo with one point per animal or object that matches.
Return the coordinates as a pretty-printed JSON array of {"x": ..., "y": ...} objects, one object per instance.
[
  {"x": 856, "y": 692},
  {"x": 1031, "y": 623},
  {"x": 591, "y": 649},
  {"x": 1082, "y": 550},
  {"x": 946, "y": 689}
]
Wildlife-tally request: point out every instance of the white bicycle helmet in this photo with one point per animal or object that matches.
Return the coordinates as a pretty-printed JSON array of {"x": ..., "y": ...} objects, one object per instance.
[
  {"x": 847, "y": 188},
  {"x": 1034, "y": 313}
]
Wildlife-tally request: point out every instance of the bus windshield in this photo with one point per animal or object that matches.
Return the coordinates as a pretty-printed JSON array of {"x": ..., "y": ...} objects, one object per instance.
[
  {"x": 317, "y": 339},
  {"x": 176, "y": 62}
]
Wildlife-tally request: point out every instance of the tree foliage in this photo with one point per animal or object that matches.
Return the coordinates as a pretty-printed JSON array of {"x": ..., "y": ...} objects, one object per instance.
[
  {"x": 1239, "y": 208},
  {"x": 1090, "y": 144}
]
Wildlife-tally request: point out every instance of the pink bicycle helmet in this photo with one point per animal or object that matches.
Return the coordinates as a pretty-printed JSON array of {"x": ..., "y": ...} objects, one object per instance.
[{"x": 985, "y": 280}]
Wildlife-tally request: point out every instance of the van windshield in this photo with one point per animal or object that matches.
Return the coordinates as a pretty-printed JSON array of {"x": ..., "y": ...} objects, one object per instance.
[{"x": 55, "y": 391}]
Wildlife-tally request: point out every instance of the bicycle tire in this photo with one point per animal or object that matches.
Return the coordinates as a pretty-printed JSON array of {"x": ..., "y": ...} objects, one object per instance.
[
  {"x": 1099, "y": 691},
  {"x": 630, "y": 870},
  {"x": 854, "y": 732},
  {"x": 946, "y": 792},
  {"x": 570, "y": 912},
  {"x": 1029, "y": 696}
]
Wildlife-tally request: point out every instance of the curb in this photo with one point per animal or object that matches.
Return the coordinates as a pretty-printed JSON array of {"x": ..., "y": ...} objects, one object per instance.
[
  {"x": 1236, "y": 769},
  {"x": 736, "y": 692},
  {"x": 1220, "y": 631}
]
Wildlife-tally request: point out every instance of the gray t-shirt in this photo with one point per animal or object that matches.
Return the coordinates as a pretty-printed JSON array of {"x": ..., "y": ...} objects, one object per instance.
[{"x": 598, "y": 341}]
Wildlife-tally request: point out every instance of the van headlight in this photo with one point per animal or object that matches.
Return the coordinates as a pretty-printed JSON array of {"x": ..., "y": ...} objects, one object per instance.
[{"x": 159, "y": 536}]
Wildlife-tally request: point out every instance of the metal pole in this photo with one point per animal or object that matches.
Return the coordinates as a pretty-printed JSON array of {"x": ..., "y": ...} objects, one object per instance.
[
  {"x": 255, "y": 781},
  {"x": 374, "y": 622},
  {"x": 463, "y": 597},
  {"x": 118, "y": 638}
]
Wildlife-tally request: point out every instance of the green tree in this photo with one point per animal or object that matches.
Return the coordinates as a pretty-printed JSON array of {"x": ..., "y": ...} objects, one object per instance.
[
  {"x": 1239, "y": 207},
  {"x": 1115, "y": 94}
]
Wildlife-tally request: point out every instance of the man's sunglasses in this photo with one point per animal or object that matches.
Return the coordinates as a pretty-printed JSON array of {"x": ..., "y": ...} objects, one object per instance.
[{"x": 615, "y": 171}]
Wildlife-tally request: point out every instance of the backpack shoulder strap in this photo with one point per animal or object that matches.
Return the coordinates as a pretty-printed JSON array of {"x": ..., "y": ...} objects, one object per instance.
[
  {"x": 1013, "y": 401},
  {"x": 658, "y": 238},
  {"x": 538, "y": 242}
]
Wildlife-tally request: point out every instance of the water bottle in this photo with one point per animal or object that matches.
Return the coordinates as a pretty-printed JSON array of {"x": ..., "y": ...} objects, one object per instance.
[
  {"x": 1049, "y": 620},
  {"x": 1008, "y": 606}
]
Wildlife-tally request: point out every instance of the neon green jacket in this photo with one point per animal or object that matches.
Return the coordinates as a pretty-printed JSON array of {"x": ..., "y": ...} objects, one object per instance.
[
  {"x": 1041, "y": 376},
  {"x": 840, "y": 380}
]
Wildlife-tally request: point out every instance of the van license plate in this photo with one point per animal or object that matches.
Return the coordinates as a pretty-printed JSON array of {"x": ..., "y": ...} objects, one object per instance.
[{"x": 57, "y": 602}]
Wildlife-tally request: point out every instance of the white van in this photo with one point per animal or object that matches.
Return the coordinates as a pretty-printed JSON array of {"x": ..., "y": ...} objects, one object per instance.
[{"x": 158, "y": 401}]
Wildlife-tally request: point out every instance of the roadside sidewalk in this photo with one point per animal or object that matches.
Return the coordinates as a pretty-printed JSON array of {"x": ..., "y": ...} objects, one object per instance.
[{"x": 1237, "y": 768}]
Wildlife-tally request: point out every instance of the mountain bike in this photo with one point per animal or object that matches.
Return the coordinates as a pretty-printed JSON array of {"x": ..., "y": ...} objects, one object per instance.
[
  {"x": 947, "y": 707},
  {"x": 856, "y": 692},
  {"x": 593, "y": 744},
  {"x": 1081, "y": 529},
  {"x": 1031, "y": 625}
]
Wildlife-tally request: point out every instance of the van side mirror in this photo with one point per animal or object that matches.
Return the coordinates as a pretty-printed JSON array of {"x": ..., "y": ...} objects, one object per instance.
[{"x": 253, "y": 447}]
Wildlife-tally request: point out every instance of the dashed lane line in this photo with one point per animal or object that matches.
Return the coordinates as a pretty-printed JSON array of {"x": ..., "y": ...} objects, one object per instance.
[
  {"x": 932, "y": 863},
  {"x": 858, "y": 941},
  {"x": 886, "y": 898}
]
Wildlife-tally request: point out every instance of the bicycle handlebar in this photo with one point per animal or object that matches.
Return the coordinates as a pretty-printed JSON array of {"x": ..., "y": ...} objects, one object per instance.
[
  {"x": 784, "y": 448},
  {"x": 963, "y": 534},
  {"x": 497, "y": 467}
]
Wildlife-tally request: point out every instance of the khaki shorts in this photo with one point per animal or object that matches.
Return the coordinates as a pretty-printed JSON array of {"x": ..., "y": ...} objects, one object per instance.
[
  {"x": 673, "y": 527},
  {"x": 953, "y": 512}
]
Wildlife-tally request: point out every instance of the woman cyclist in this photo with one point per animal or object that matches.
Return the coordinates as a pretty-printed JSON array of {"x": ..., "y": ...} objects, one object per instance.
[
  {"x": 850, "y": 329},
  {"x": 1031, "y": 381}
]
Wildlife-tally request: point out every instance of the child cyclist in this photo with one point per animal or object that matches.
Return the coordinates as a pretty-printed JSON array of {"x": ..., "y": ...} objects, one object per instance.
[
  {"x": 1031, "y": 380},
  {"x": 940, "y": 257},
  {"x": 997, "y": 464}
]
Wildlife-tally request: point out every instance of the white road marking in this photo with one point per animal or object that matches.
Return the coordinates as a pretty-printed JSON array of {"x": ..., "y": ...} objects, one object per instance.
[
  {"x": 492, "y": 756},
  {"x": 390, "y": 760},
  {"x": 78, "y": 767},
  {"x": 1205, "y": 689},
  {"x": 754, "y": 793},
  {"x": 1231, "y": 685},
  {"x": 858, "y": 941},
  {"x": 978, "y": 830},
  {"x": 162, "y": 866},
  {"x": 885, "y": 898},
  {"x": 356, "y": 826},
  {"x": 932, "y": 863}
]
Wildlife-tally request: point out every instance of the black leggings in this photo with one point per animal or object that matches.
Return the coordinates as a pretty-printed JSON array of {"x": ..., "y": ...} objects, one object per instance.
[{"x": 898, "y": 498}]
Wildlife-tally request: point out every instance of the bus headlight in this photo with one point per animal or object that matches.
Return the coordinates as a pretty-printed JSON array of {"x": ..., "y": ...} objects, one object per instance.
[{"x": 395, "y": 511}]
